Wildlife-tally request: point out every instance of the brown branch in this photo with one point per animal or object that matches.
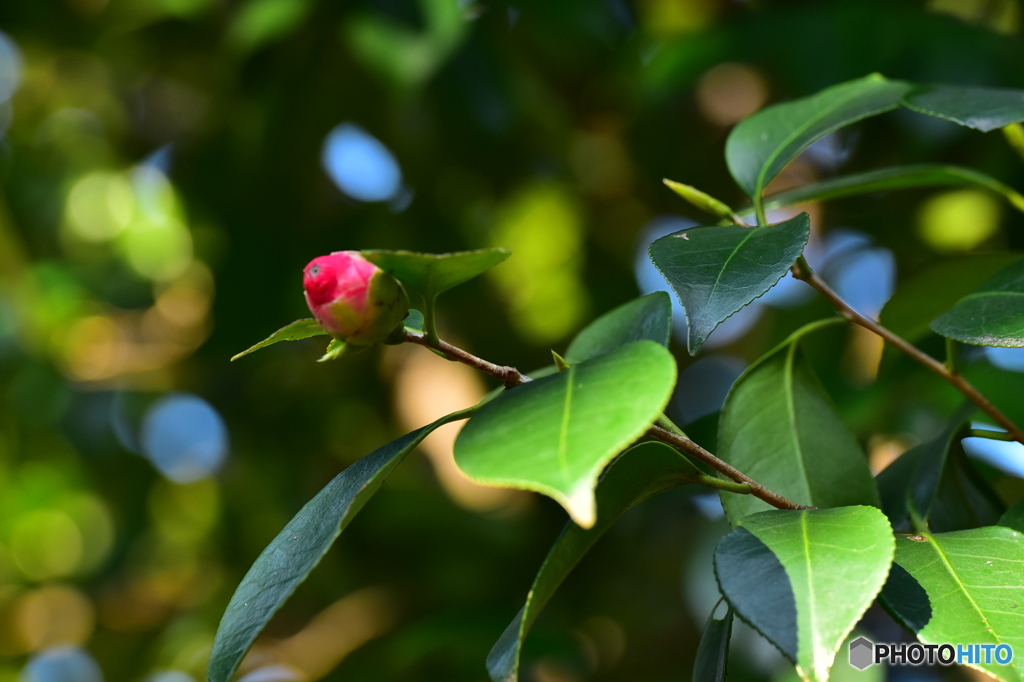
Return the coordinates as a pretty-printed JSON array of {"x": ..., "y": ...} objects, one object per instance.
[
  {"x": 802, "y": 271},
  {"x": 513, "y": 377}
]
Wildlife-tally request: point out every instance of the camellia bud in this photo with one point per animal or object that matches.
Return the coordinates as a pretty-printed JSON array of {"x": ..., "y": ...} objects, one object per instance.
[{"x": 353, "y": 299}]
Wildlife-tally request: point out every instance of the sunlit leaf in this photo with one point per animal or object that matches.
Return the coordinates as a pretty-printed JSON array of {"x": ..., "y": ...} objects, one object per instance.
[
  {"x": 429, "y": 274},
  {"x": 715, "y": 271},
  {"x": 887, "y": 179},
  {"x": 648, "y": 317},
  {"x": 296, "y": 331},
  {"x": 640, "y": 473},
  {"x": 983, "y": 109},
  {"x": 555, "y": 435},
  {"x": 962, "y": 588},
  {"x": 779, "y": 427},
  {"x": 804, "y": 578},
  {"x": 760, "y": 146},
  {"x": 297, "y": 549},
  {"x": 991, "y": 316}
]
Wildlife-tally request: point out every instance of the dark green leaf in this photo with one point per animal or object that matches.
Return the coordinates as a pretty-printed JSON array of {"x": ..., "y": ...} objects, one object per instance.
[
  {"x": 648, "y": 317},
  {"x": 983, "y": 109},
  {"x": 429, "y": 274},
  {"x": 296, "y": 331},
  {"x": 761, "y": 146},
  {"x": 936, "y": 484},
  {"x": 715, "y": 271},
  {"x": 779, "y": 427},
  {"x": 886, "y": 179},
  {"x": 414, "y": 321},
  {"x": 804, "y": 578},
  {"x": 712, "y": 659},
  {"x": 640, "y": 473},
  {"x": 555, "y": 435},
  {"x": 962, "y": 588},
  {"x": 991, "y": 316},
  {"x": 934, "y": 290},
  {"x": 1014, "y": 517},
  {"x": 297, "y": 549}
]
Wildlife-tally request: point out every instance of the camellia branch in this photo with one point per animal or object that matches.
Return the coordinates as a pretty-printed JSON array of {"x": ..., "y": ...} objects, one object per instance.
[
  {"x": 741, "y": 483},
  {"x": 802, "y": 271}
]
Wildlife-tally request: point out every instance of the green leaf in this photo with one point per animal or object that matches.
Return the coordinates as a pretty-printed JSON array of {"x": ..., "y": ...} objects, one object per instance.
[
  {"x": 936, "y": 289},
  {"x": 1014, "y": 517},
  {"x": 648, "y": 317},
  {"x": 715, "y": 271},
  {"x": 962, "y": 588},
  {"x": 639, "y": 474},
  {"x": 296, "y": 331},
  {"x": 842, "y": 671},
  {"x": 983, "y": 109},
  {"x": 991, "y": 316},
  {"x": 555, "y": 435},
  {"x": 429, "y": 274},
  {"x": 886, "y": 179},
  {"x": 712, "y": 659},
  {"x": 936, "y": 484},
  {"x": 779, "y": 427},
  {"x": 804, "y": 578},
  {"x": 414, "y": 321},
  {"x": 760, "y": 146},
  {"x": 297, "y": 549}
]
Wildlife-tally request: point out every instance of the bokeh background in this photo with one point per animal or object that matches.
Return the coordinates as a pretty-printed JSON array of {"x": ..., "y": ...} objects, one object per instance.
[{"x": 169, "y": 166}]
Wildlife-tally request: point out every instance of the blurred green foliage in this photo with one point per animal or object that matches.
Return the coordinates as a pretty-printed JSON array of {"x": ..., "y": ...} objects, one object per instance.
[{"x": 163, "y": 185}]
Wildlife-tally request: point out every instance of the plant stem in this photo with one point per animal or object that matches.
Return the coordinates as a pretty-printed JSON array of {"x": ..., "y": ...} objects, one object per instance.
[
  {"x": 952, "y": 356},
  {"x": 513, "y": 377},
  {"x": 801, "y": 270},
  {"x": 992, "y": 435},
  {"x": 728, "y": 486}
]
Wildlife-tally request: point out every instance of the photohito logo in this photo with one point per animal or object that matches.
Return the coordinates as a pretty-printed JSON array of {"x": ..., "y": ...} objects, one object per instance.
[{"x": 863, "y": 653}]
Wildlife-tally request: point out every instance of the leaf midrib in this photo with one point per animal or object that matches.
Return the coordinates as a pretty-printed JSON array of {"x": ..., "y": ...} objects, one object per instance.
[
  {"x": 725, "y": 265},
  {"x": 759, "y": 186},
  {"x": 563, "y": 431},
  {"x": 789, "y": 373},
  {"x": 811, "y": 614},
  {"x": 963, "y": 588}
]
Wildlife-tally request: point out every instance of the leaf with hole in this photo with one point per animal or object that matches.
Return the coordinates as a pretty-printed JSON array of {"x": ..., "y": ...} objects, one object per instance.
[
  {"x": 804, "y": 578},
  {"x": 297, "y": 549},
  {"x": 888, "y": 179},
  {"x": 648, "y": 317},
  {"x": 555, "y": 435},
  {"x": 778, "y": 426},
  {"x": 715, "y": 271},
  {"x": 983, "y": 109},
  {"x": 936, "y": 484},
  {"x": 712, "y": 661},
  {"x": 640, "y": 473},
  {"x": 296, "y": 331},
  {"x": 760, "y": 146},
  {"x": 962, "y": 588},
  {"x": 993, "y": 315}
]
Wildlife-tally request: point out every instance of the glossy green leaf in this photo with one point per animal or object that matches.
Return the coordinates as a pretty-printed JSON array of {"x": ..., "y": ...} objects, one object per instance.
[
  {"x": 640, "y": 473},
  {"x": 712, "y": 661},
  {"x": 297, "y": 549},
  {"x": 1013, "y": 517},
  {"x": 993, "y": 315},
  {"x": 936, "y": 484},
  {"x": 842, "y": 671},
  {"x": 804, "y": 578},
  {"x": 555, "y": 435},
  {"x": 296, "y": 331},
  {"x": 887, "y": 179},
  {"x": 760, "y": 146},
  {"x": 983, "y": 109},
  {"x": 779, "y": 427},
  {"x": 429, "y": 274},
  {"x": 936, "y": 289},
  {"x": 648, "y": 317},
  {"x": 715, "y": 271},
  {"x": 962, "y": 588}
]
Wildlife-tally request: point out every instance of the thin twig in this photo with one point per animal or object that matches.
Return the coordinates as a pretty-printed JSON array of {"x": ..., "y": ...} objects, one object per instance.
[
  {"x": 513, "y": 377},
  {"x": 803, "y": 271}
]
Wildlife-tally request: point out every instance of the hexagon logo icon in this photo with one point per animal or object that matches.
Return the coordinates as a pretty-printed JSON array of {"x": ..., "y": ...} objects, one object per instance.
[{"x": 861, "y": 653}]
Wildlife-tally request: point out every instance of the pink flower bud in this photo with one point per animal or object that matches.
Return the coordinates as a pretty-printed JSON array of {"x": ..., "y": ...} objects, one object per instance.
[{"x": 353, "y": 299}]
